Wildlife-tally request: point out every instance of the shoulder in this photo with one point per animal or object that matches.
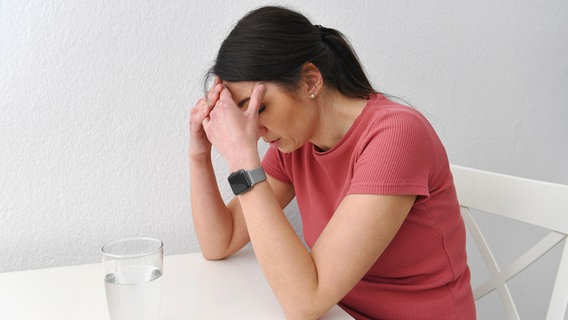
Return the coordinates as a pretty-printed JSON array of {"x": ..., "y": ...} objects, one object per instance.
[
  {"x": 382, "y": 108},
  {"x": 393, "y": 122}
]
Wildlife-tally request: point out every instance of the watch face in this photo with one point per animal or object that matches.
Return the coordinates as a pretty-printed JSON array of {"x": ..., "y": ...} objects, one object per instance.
[{"x": 239, "y": 182}]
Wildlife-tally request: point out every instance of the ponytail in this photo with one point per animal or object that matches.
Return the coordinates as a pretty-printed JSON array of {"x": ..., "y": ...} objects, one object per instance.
[{"x": 340, "y": 66}]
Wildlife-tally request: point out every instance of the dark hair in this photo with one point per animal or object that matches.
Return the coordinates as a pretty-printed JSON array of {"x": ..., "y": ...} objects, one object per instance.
[{"x": 272, "y": 44}]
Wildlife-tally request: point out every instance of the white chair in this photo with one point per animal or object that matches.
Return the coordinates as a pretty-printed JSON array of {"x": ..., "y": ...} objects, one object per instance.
[{"x": 534, "y": 202}]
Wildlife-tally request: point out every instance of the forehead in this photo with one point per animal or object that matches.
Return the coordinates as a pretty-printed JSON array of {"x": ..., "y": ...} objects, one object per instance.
[
  {"x": 243, "y": 90},
  {"x": 240, "y": 88}
]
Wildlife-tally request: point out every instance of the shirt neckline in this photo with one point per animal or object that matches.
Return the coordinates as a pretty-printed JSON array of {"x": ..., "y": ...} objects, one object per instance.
[{"x": 349, "y": 132}]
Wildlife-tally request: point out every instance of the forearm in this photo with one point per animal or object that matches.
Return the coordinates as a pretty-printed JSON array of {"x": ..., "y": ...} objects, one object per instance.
[
  {"x": 287, "y": 264},
  {"x": 211, "y": 218}
]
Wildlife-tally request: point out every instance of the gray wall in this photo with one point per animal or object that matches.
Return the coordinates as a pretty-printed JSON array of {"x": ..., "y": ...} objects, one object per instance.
[{"x": 95, "y": 97}]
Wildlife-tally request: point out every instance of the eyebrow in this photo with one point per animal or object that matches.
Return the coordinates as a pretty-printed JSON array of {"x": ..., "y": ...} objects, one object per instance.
[{"x": 242, "y": 102}]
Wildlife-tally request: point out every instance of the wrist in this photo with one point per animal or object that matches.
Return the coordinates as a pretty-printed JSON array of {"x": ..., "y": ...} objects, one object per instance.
[
  {"x": 244, "y": 160},
  {"x": 199, "y": 157}
]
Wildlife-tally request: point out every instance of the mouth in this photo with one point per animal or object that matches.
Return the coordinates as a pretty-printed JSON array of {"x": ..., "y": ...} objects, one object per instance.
[{"x": 272, "y": 142}]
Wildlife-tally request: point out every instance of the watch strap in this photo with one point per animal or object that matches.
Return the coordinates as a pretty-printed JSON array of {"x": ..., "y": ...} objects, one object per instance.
[{"x": 256, "y": 175}]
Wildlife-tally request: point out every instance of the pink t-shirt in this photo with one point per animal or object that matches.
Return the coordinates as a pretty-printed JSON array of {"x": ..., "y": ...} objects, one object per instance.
[{"x": 390, "y": 149}]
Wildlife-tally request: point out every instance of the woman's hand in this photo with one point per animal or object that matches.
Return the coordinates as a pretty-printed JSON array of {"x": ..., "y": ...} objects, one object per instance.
[
  {"x": 234, "y": 132},
  {"x": 198, "y": 141}
]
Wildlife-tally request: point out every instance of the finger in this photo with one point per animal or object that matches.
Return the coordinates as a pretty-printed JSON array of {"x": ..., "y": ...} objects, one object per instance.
[
  {"x": 213, "y": 94},
  {"x": 200, "y": 111},
  {"x": 201, "y": 105},
  {"x": 256, "y": 99},
  {"x": 216, "y": 81},
  {"x": 225, "y": 95},
  {"x": 205, "y": 123},
  {"x": 198, "y": 107}
]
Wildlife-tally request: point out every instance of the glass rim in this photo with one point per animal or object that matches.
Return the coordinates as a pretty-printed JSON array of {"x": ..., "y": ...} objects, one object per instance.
[{"x": 106, "y": 253}]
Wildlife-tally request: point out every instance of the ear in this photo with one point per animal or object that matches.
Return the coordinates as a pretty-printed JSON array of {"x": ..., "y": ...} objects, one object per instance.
[{"x": 313, "y": 80}]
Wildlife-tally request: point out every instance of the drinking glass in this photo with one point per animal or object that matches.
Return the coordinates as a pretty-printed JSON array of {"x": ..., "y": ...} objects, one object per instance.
[{"x": 133, "y": 278}]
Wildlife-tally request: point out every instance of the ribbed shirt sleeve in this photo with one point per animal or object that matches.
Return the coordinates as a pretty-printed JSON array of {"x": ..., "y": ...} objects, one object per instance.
[{"x": 395, "y": 157}]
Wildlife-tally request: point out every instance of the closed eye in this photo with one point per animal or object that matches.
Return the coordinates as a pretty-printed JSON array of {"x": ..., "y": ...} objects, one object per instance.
[{"x": 262, "y": 108}]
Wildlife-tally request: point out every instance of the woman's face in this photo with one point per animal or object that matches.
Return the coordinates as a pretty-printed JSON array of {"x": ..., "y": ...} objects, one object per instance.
[{"x": 286, "y": 119}]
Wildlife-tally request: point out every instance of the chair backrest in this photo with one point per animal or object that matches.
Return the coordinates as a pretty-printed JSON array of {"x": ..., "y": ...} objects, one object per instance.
[{"x": 538, "y": 203}]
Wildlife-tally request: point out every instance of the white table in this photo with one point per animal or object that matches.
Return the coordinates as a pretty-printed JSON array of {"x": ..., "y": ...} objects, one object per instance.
[{"x": 193, "y": 288}]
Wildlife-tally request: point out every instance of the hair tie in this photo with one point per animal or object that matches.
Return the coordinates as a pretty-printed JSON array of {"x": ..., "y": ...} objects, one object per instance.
[{"x": 320, "y": 30}]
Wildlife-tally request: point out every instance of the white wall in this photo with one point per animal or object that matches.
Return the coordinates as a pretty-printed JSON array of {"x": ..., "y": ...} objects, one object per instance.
[{"x": 95, "y": 96}]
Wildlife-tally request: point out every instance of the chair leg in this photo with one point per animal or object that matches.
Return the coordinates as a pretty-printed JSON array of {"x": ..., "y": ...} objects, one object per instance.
[{"x": 559, "y": 298}]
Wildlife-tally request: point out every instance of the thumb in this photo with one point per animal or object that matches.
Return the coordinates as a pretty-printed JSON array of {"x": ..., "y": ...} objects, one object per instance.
[{"x": 256, "y": 99}]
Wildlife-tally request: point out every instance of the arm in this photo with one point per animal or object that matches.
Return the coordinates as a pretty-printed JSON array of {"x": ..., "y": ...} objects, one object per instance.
[
  {"x": 306, "y": 283},
  {"x": 220, "y": 228}
]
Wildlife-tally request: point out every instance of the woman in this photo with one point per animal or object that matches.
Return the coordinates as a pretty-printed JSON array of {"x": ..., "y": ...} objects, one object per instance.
[{"x": 371, "y": 179}]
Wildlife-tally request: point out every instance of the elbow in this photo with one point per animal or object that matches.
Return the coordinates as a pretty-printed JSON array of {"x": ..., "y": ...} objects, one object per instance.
[
  {"x": 213, "y": 250},
  {"x": 303, "y": 315},
  {"x": 304, "y": 311},
  {"x": 212, "y": 253},
  {"x": 212, "y": 256},
  {"x": 309, "y": 304}
]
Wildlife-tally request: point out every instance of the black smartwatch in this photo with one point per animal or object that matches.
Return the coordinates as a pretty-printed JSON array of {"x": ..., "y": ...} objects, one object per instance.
[{"x": 243, "y": 180}]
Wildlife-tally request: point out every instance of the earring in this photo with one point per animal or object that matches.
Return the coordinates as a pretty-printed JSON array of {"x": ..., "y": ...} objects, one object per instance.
[{"x": 312, "y": 96}]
